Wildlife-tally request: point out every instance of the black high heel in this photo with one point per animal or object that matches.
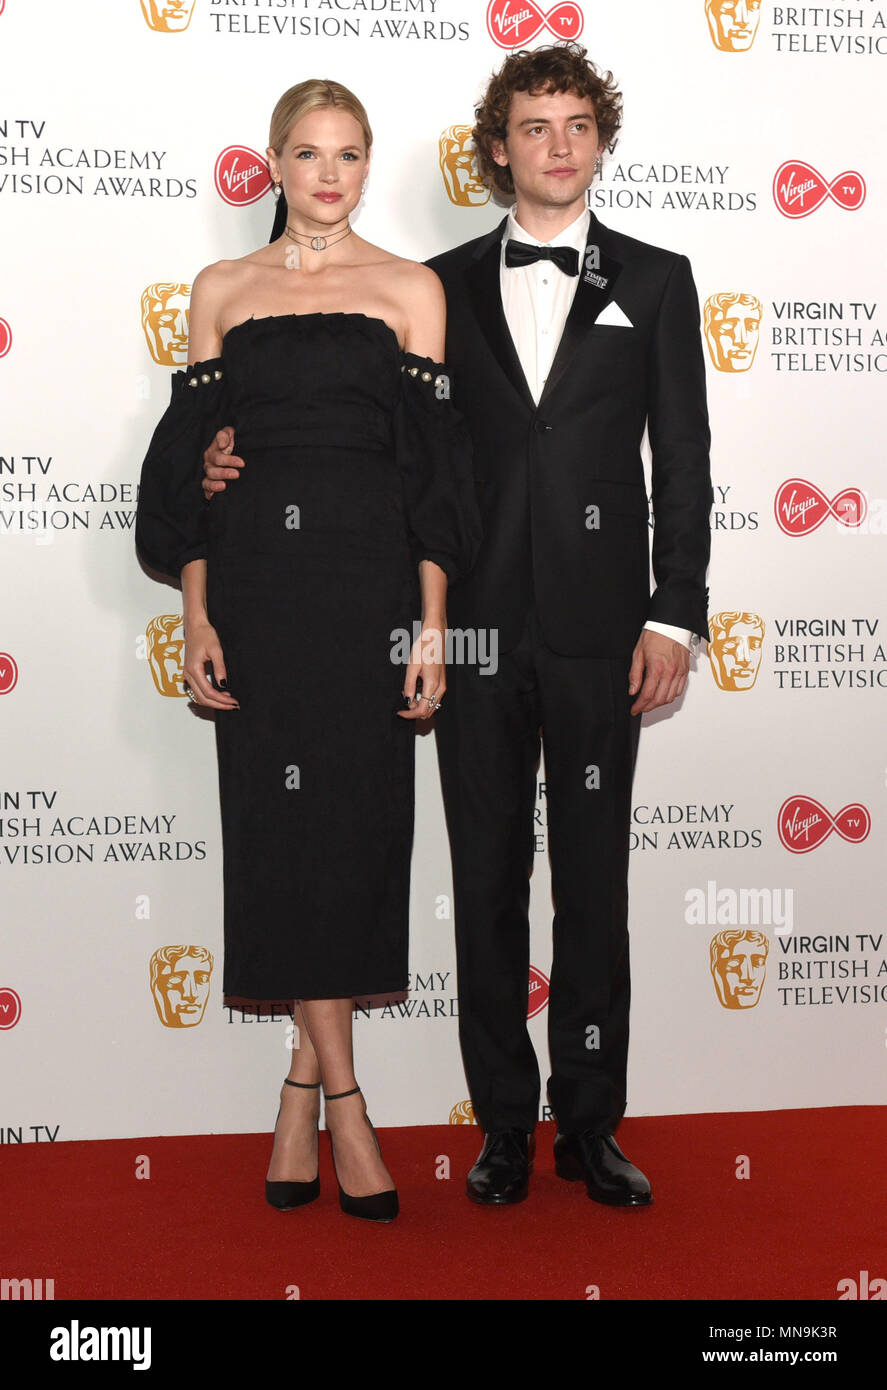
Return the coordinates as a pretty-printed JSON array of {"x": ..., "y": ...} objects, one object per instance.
[
  {"x": 378, "y": 1206},
  {"x": 286, "y": 1196}
]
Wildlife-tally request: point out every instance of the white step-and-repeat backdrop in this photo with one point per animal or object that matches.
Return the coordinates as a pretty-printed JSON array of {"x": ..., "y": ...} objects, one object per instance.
[{"x": 131, "y": 142}]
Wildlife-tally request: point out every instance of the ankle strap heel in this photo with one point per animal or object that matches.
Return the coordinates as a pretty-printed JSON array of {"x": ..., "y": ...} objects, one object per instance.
[
  {"x": 378, "y": 1206},
  {"x": 286, "y": 1196}
]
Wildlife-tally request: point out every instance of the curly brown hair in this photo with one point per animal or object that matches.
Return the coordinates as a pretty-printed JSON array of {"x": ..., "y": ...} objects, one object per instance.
[{"x": 556, "y": 67}]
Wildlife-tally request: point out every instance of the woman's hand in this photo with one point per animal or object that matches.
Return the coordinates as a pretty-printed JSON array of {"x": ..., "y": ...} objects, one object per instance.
[
  {"x": 426, "y": 664},
  {"x": 202, "y": 645}
]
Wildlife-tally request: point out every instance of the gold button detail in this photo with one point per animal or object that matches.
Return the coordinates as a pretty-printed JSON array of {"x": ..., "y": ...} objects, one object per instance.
[
  {"x": 193, "y": 381},
  {"x": 206, "y": 378},
  {"x": 426, "y": 376},
  {"x": 217, "y": 375},
  {"x": 414, "y": 371}
]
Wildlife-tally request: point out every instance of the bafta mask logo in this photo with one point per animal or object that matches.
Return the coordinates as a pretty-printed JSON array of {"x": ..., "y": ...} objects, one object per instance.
[
  {"x": 733, "y": 23},
  {"x": 463, "y": 1114},
  {"x": 458, "y": 165},
  {"x": 735, "y": 644},
  {"x": 166, "y": 652},
  {"x": 165, "y": 322},
  {"x": 738, "y": 966},
  {"x": 180, "y": 978},
  {"x": 168, "y": 16},
  {"x": 732, "y": 330},
  {"x": 538, "y": 992}
]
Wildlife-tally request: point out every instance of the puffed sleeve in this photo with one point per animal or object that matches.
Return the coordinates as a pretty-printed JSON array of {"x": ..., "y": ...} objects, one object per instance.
[
  {"x": 171, "y": 512},
  {"x": 434, "y": 455}
]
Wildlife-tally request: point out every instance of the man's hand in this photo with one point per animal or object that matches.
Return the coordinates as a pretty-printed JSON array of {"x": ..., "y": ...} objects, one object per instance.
[
  {"x": 219, "y": 463},
  {"x": 662, "y": 665}
]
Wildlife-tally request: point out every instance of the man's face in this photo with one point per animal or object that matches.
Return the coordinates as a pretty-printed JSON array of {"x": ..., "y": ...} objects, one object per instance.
[
  {"x": 733, "y": 23},
  {"x": 738, "y": 655},
  {"x": 739, "y": 974},
  {"x": 551, "y": 145},
  {"x": 733, "y": 336},
  {"x": 184, "y": 989}
]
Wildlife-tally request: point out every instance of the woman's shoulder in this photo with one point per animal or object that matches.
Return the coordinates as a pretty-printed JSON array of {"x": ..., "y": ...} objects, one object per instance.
[
  {"x": 221, "y": 277},
  {"x": 212, "y": 291},
  {"x": 413, "y": 273},
  {"x": 422, "y": 302},
  {"x": 415, "y": 284},
  {"x": 215, "y": 293},
  {"x": 399, "y": 267}
]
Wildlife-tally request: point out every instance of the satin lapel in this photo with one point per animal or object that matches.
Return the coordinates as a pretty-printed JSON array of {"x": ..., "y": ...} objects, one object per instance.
[
  {"x": 593, "y": 294},
  {"x": 482, "y": 277}
]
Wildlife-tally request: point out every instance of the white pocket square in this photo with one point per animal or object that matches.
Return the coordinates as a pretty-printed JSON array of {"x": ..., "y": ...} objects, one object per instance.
[{"x": 614, "y": 315}]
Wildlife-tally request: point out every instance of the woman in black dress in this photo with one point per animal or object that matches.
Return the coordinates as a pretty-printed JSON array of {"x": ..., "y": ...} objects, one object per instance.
[{"x": 354, "y": 509}]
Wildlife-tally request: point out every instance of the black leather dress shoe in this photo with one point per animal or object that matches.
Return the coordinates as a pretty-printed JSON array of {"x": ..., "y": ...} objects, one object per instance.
[
  {"x": 609, "y": 1176},
  {"x": 501, "y": 1174}
]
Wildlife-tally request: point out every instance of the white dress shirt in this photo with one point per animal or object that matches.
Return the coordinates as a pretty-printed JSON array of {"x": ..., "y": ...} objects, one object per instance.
[{"x": 537, "y": 299}]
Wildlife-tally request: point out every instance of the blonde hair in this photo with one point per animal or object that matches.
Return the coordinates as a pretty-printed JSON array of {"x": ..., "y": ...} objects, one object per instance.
[{"x": 313, "y": 95}]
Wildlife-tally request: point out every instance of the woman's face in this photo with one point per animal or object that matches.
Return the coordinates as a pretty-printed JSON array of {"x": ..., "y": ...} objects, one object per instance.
[{"x": 322, "y": 165}]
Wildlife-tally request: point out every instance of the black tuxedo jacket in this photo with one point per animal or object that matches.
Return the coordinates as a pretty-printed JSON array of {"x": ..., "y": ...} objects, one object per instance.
[{"x": 561, "y": 486}]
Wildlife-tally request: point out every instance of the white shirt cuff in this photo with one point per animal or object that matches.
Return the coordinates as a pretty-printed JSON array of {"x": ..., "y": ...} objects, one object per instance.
[{"x": 677, "y": 634}]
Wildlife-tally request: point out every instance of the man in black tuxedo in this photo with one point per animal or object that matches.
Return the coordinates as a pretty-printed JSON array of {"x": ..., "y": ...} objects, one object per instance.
[{"x": 565, "y": 339}]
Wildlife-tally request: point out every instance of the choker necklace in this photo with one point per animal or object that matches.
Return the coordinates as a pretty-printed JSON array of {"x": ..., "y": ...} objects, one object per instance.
[{"x": 317, "y": 243}]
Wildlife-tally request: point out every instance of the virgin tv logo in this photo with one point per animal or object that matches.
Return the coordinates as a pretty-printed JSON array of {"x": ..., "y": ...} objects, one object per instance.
[
  {"x": 514, "y": 23},
  {"x": 5, "y": 330},
  {"x": 804, "y": 823},
  {"x": 799, "y": 189},
  {"x": 10, "y": 1008},
  {"x": 538, "y": 992},
  {"x": 801, "y": 507},
  {"x": 241, "y": 176},
  {"x": 8, "y": 673}
]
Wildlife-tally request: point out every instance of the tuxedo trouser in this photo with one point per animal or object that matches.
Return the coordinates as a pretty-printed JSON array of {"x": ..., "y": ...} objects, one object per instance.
[{"x": 488, "y": 734}]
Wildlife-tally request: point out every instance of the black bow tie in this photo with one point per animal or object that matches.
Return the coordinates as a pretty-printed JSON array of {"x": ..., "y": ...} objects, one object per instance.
[{"x": 566, "y": 258}]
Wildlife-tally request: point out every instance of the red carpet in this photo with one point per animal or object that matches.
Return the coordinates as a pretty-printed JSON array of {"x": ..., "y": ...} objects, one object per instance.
[{"x": 810, "y": 1213}]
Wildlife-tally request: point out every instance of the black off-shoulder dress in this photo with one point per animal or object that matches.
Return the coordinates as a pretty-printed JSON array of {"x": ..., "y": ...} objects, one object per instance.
[{"x": 357, "y": 466}]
